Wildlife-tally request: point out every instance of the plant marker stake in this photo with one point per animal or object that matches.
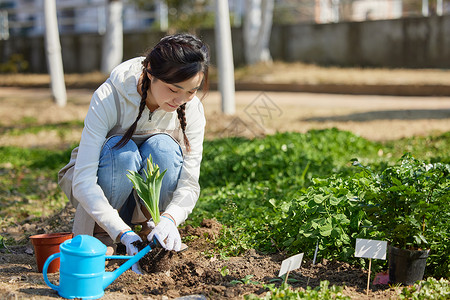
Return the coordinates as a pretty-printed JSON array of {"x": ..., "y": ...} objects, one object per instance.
[
  {"x": 370, "y": 249},
  {"x": 368, "y": 277},
  {"x": 315, "y": 253},
  {"x": 287, "y": 274},
  {"x": 290, "y": 264},
  {"x": 314, "y": 260}
]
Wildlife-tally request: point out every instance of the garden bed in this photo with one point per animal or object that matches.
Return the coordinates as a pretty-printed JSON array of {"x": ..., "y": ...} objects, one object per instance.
[{"x": 197, "y": 271}]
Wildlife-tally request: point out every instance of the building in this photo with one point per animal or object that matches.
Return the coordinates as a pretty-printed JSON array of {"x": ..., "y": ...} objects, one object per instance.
[{"x": 26, "y": 17}]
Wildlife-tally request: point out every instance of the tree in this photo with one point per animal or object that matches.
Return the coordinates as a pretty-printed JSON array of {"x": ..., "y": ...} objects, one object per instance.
[
  {"x": 54, "y": 58},
  {"x": 112, "y": 48},
  {"x": 225, "y": 57},
  {"x": 189, "y": 15},
  {"x": 257, "y": 28},
  {"x": 180, "y": 15}
]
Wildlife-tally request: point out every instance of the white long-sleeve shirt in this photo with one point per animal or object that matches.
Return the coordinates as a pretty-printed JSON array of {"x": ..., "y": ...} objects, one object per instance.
[{"x": 101, "y": 118}]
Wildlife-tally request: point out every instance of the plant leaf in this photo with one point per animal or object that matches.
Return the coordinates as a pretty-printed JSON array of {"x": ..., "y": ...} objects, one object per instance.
[{"x": 148, "y": 187}]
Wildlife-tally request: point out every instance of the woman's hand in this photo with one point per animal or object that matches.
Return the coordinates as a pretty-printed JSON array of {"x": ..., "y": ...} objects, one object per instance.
[
  {"x": 128, "y": 238},
  {"x": 167, "y": 234}
]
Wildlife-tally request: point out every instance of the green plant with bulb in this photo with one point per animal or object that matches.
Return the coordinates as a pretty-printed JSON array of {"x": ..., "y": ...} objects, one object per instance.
[{"x": 148, "y": 187}]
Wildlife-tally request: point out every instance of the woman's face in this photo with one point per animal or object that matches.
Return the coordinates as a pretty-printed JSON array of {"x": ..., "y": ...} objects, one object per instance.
[{"x": 169, "y": 96}]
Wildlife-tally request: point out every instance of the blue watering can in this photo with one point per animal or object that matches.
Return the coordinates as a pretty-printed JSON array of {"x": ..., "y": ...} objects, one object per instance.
[{"x": 82, "y": 267}]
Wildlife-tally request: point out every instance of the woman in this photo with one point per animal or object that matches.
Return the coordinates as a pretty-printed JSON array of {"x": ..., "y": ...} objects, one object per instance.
[{"x": 148, "y": 106}]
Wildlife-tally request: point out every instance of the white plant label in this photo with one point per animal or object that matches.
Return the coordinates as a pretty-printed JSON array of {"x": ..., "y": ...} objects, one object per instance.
[
  {"x": 370, "y": 249},
  {"x": 290, "y": 264}
]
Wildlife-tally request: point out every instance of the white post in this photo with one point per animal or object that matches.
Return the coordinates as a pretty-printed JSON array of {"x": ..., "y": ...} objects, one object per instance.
[
  {"x": 322, "y": 11},
  {"x": 335, "y": 10},
  {"x": 162, "y": 15},
  {"x": 112, "y": 48},
  {"x": 101, "y": 20},
  {"x": 224, "y": 53},
  {"x": 53, "y": 50},
  {"x": 237, "y": 11},
  {"x": 4, "y": 26},
  {"x": 439, "y": 7},
  {"x": 425, "y": 11}
]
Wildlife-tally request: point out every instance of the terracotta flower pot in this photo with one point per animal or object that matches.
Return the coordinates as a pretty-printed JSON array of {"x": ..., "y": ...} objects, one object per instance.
[{"x": 46, "y": 245}]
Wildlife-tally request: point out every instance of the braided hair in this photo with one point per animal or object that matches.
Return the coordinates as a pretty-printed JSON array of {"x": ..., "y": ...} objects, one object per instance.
[{"x": 176, "y": 58}]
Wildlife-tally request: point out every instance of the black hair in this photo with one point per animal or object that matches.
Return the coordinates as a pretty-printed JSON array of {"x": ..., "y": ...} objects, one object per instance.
[{"x": 175, "y": 58}]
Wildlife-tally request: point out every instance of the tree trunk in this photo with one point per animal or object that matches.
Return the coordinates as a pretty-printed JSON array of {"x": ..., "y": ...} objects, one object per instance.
[
  {"x": 112, "y": 48},
  {"x": 54, "y": 58},
  {"x": 225, "y": 57},
  {"x": 257, "y": 28}
]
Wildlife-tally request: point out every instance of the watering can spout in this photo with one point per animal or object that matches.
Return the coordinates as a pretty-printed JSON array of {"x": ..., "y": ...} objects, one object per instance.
[{"x": 109, "y": 277}]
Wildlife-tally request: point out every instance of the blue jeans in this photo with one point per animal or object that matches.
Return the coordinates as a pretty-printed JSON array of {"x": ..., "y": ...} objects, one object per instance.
[{"x": 115, "y": 162}]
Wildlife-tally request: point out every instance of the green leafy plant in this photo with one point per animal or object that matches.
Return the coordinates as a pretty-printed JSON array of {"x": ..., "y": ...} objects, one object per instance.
[
  {"x": 232, "y": 242},
  {"x": 275, "y": 182},
  {"x": 246, "y": 280},
  {"x": 430, "y": 289},
  {"x": 15, "y": 64},
  {"x": 2, "y": 243},
  {"x": 282, "y": 278},
  {"x": 328, "y": 212},
  {"x": 409, "y": 201},
  {"x": 323, "y": 291},
  {"x": 224, "y": 271},
  {"x": 148, "y": 187}
]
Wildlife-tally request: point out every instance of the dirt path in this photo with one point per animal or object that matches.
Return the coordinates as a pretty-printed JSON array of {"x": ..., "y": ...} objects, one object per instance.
[{"x": 373, "y": 117}]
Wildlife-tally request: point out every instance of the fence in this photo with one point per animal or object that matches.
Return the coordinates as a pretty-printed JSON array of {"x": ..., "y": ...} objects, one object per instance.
[{"x": 415, "y": 42}]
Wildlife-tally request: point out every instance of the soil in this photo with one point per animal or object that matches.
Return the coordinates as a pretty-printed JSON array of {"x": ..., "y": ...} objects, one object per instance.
[
  {"x": 194, "y": 271},
  {"x": 197, "y": 270}
]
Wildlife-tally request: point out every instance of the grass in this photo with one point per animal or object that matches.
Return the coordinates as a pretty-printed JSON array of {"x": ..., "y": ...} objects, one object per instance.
[
  {"x": 286, "y": 191},
  {"x": 29, "y": 125},
  {"x": 247, "y": 185},
  {"x": 28, "y": 175},
  {"x": 28, "y": 188}
]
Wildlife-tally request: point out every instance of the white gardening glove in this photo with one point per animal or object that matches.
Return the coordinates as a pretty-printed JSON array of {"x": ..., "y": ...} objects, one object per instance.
[
  {"x": 151, "y": 225},
  {"x": 147, "y": 227},
  {"x": 167, "y": 234},
  {"x": 128, "y": 238}
]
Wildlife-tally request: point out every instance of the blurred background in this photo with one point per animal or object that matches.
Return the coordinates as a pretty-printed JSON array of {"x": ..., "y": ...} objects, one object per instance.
[
  {"x": 316, "y": 83},
  {"x": 366, "y": 33}
]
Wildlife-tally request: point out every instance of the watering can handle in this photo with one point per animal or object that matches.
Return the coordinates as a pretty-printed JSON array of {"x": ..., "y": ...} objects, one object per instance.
[
  {"x": 117, "y": 257},
  {"x": 44, "y": 271}
]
